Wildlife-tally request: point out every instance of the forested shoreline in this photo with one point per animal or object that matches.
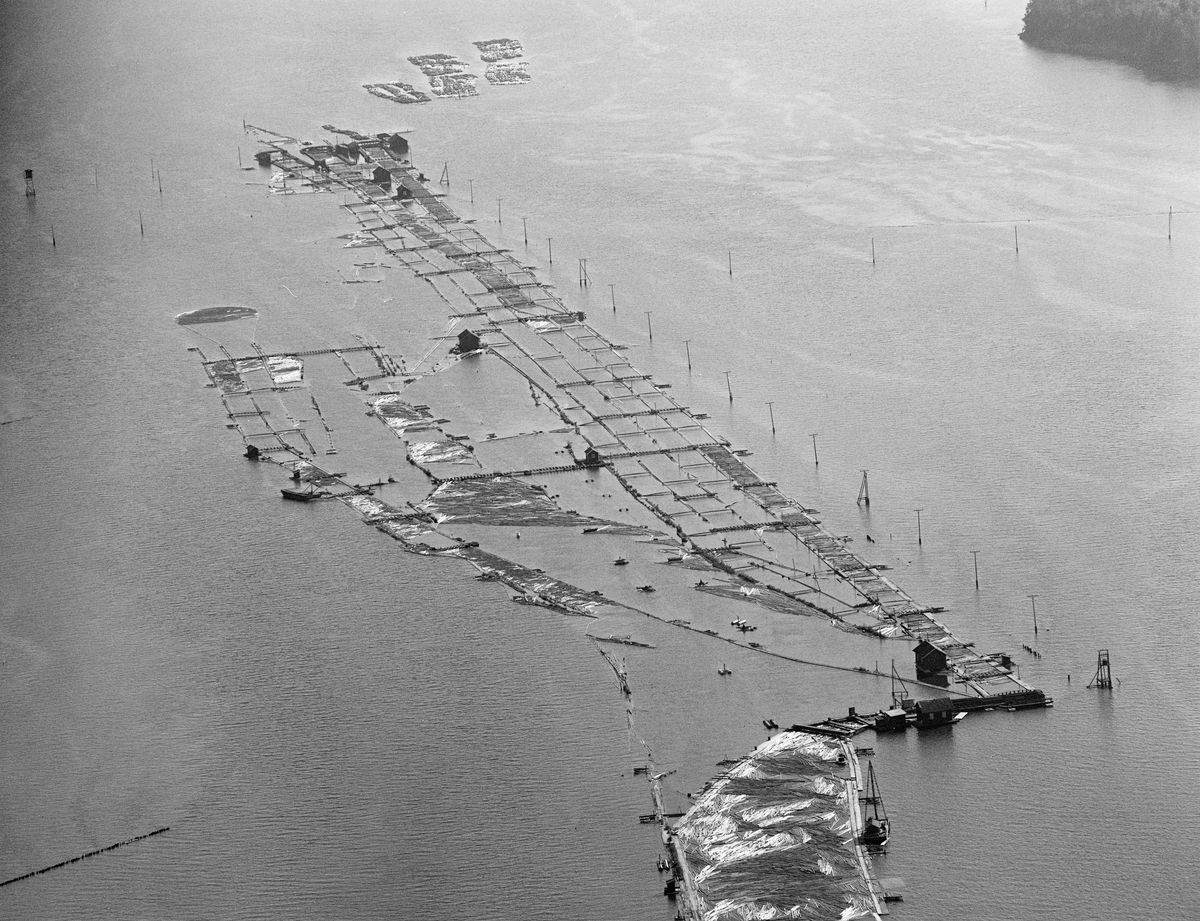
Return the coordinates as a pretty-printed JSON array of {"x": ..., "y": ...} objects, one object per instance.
[{"x": 1162, "y": 37}]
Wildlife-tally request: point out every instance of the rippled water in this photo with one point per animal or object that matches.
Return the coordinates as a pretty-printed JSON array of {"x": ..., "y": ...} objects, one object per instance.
[{"x": 333, "y": 728}]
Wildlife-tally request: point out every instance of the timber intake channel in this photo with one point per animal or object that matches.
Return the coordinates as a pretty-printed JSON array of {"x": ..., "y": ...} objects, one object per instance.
[{"x": 718, "y": 526}]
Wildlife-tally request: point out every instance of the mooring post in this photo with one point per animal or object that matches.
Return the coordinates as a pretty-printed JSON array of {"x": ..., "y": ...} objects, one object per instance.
[
  {"x": 1016, "y": 242},
  {"x": 612, "y": 290},
  {"x": 1170, "y": 214},
  {"x": 771, "y": 410},
  {"x": 975, "y": 554},
  {"x": 918, "y": 511},
  {"x": 471, "y": 185},
  {"x": 816, "y": 460},
  {"x": 499, "y": 219},
  {"x": 649, "y": 328},
  {"x": 525, "y": 228},
  {"x": 1033, "y": 601},
  {"x": 30, "y": 192},
  {"x": 872, "y": 251},
  {"x": 53, "y": 241},
  {"x": 141, "y": 225},
  {"x": 445, "y": 180},
  {"x": 728, "y": 387},
  {"x": 688, "y": 350},
  {"x": 731, "y": 263},
  {"x": 550, "y": 247}
]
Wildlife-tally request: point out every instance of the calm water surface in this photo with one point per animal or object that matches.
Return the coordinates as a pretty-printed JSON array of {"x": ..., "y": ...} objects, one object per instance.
[{"x": 333, "y": 728}]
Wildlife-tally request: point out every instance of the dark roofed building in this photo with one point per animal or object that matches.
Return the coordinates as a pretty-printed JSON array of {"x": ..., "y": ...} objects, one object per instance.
[
  {"x": 468, "y": 342},
  {"x": 930, "y": 659},
  {"x": 399, "y": 146},
  {"x": 381, "y": 176}
]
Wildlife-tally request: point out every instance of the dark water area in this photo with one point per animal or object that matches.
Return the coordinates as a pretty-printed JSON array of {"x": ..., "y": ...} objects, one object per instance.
[{"x": 332, "y": 727}]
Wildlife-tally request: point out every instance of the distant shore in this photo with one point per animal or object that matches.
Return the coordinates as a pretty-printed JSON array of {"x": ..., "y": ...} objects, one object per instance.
[{"x": 1162, "y": 39}]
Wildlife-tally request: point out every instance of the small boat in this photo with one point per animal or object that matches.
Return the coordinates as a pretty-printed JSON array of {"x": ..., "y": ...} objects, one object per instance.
[
  {"x": 877, "y": 829},
  {"x": 620, "y": 561},
  {"x": 590, "y": 530},
  {"x": 299, "y": 495},
  {"x": 645, "y": 588}
]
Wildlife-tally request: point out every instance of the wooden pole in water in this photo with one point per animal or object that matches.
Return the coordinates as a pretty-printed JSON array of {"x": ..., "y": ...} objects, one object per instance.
[
  {"x": 160, "y": 182},
  {"x": 1170, "y": 214},
  {"x": 918, "y": 511},
  {"x": 728, "y": 387},
  {"x": 687, "y": 348},
  {"x": 649, "y": 327},
  {"x": 239, "y": 156},
  {"x": 612, "y": 290},
  {"x": 499, "y": 219},
  {"x": 731, "y": 263},
  {"x": 872, "y": 251},
  {"x": 550, "y": 246},
  {"x": 525, "y": 228},
  {"x": 141, "y": 226},
  {"x": 53, "y": 240},
  {"x": 975, "y": 554},
  {"x": 771, "y": 410},
  {"x": 1033, "y": 601},
  {"x": 1016, "y": 242},
  {"x": 97, "y": 174},
  {"x": 816, "y": 460},
  {"x": 471, "y": 183}
]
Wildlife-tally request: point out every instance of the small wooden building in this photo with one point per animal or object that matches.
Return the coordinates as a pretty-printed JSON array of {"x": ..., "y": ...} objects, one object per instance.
[
  {"x": 931, "y": 660},
  {"x": 468, "y": 342},
  {"x": 381, "y": 177},
  {"x": 398, "y": 145}
]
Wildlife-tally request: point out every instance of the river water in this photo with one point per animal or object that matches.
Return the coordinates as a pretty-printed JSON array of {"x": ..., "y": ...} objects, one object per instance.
[{"x": 943, "y": 253}]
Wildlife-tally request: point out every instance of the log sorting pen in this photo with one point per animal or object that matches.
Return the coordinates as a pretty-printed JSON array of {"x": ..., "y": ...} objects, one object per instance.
[{"x": 717, "y": 510}]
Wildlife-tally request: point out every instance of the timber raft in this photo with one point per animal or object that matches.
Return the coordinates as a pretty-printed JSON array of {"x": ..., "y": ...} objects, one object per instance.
[
  {"x": 659, "y": 450},
  {"x": 779, "y": 834}
]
